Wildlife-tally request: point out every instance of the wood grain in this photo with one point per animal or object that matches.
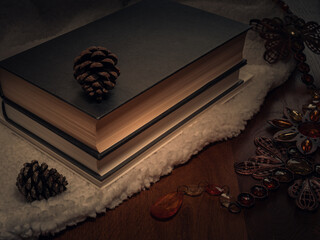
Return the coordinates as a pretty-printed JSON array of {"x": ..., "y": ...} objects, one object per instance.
[
  {"x": 198, "y": 218},
  {"x": 202, "y": 217}
]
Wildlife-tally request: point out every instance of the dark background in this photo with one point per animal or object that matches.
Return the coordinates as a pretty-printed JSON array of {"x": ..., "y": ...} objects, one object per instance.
[{"x": 27, "y": 23}]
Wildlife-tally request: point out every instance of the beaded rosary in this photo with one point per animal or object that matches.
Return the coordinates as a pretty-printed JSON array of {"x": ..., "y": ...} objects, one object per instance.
[{"x": 288, "y": 155}]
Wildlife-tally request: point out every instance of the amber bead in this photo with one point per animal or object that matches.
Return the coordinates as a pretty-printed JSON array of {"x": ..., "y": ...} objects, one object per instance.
[
  {"x": 303, "y": 67},
  {"x": 213, "y": 190},
  {"x": 259, "y": 191},
  {"x": 246, "y": 200},
  {"x": 306, "y": 146},
  {"x": 294, "y": 115},
  {"x": 167, "y": 206},
  {"x": 300, "y": 57},
  {"x": 286, "y": 136},
  {"x": 307, "y": 79},
  {"x": 271, "y": 183},
  {"x": 315, "y": 115},
  {"x": 280, "y": 123},
  {"x": 297, "y": 46}
]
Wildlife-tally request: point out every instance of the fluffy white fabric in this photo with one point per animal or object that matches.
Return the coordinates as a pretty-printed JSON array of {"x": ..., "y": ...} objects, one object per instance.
[{"x": 19, "y": 219}]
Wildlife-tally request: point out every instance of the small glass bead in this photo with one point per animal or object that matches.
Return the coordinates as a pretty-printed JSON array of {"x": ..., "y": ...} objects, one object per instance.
[
  {"x": 300, "y": 56},
  {"x": 283, "y": 175},
  {"x": 271, "y": 183},
  {"x": 246, "y": 200},
  {"x": 315, "y": 115},
  {"x": 306, "y": 146},
  {"x": 307, "y": 79},
  {"x": 303, "y": 67},
  {"x": 213, "y": 190},
  {"x": 259, "y": 191}
]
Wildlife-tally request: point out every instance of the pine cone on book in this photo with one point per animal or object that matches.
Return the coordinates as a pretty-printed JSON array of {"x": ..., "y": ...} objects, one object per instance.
[
  {"x": 37, "y": 182},
  {"x": 96, "y": 72}
]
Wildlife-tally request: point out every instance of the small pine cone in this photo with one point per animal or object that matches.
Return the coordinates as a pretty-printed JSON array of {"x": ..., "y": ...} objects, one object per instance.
[
  {"x": 37, "y": 182},
  {"x": 95, "y": 70}
]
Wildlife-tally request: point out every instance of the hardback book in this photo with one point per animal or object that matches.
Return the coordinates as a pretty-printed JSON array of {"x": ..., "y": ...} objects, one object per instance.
[
  {"x": 104, "y": 171},
  {"x": 169, "y": 55}
]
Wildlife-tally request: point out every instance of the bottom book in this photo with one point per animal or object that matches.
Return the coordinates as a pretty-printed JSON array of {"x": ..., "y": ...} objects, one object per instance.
[{"x": 103, "y": 172}]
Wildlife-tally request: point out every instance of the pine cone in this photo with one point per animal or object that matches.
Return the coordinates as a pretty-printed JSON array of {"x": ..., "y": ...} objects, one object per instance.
[
  {"x": 37, "y": 182},
  {"x": 96, "y": 72}
]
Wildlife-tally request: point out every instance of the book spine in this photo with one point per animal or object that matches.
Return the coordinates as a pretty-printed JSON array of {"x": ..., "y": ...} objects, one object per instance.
[
  {"x": 48, "y": 145},
  {"x": 52, "y": 128}
]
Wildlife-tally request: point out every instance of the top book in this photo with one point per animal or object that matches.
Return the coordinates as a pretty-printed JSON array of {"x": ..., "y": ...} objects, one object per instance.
[{"x": 162, "y": 46}]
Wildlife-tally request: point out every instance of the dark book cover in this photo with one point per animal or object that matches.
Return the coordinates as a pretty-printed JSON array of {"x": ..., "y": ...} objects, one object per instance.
[{"x": 153, "y": 40}]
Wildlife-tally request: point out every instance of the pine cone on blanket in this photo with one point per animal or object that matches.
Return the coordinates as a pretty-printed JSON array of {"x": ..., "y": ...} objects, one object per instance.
[{"x": 37, "y": 182}]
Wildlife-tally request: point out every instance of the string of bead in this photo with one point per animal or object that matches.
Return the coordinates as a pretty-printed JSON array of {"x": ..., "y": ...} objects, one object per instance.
[
  {"x": 168, "y": 205},
  {"x": 299, "y": 56}
]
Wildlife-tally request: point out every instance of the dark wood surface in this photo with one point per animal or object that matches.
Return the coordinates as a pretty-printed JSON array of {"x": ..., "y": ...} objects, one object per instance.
[{"x": 202, "y": 217}]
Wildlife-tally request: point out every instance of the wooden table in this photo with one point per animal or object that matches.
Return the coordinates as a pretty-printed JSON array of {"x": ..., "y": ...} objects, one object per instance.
[{"x": 202, "y": 217}]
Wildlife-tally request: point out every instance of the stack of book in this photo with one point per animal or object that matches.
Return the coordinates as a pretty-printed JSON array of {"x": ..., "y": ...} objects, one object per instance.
[{"x": 175, "y": 62}]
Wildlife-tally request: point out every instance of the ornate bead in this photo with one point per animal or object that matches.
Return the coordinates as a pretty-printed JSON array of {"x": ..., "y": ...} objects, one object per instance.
[{"x": 299, "y": 166}]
